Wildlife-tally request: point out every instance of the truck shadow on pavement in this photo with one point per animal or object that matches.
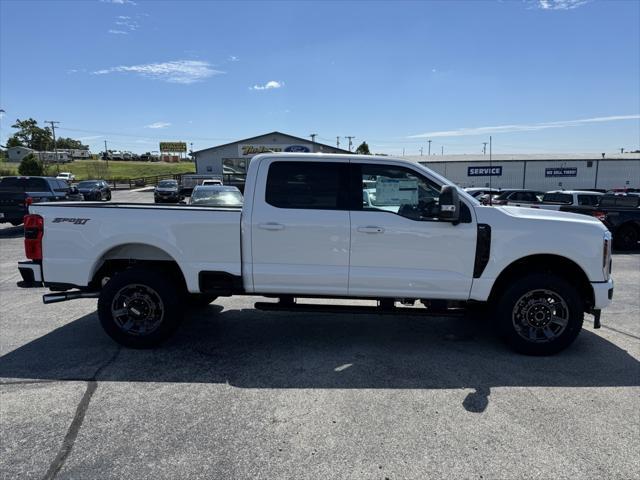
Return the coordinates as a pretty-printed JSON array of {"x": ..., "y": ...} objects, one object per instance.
[{"x": 253, "y": 349}]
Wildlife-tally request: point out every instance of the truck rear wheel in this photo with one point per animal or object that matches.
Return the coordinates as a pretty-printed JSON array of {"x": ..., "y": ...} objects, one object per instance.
[
  {"x": 139, "y": 308},
  {"x": 540, "y": 314}
]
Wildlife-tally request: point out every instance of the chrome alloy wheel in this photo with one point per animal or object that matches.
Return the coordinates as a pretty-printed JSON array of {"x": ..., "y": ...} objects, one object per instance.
[
  {"x": 137, "y": 309},
  {"x": 540, "y": 316}
]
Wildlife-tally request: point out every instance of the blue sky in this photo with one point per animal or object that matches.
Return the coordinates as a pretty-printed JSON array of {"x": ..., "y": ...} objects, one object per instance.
[{"x": 538, "y": 75}]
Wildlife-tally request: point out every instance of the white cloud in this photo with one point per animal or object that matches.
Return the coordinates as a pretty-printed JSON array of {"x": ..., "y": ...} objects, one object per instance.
[
  {"x": 271, "y": 84},
  {"x": 158, "y": 125},
  {"x": 117, "y": 32},
  {"x": 177, "y": 71},
  {"x": 90, "y": 137},
  {"x": 233, "y": 58},
  {"x": 560, "y": 4},
  {"x": 464, "y": 132},
  {"x": 123, "y": 17},
  {"x": 120, "y": 2}
]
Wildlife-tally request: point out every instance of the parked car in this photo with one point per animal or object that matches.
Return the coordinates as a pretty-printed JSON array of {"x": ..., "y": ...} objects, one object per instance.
[
  {"x": 68, "y": 176},
  {"x": 167, "y": 191},
  {"x": 303, "y": 231},
  {"x": 190, "y": 181},
  {"x": 95, "y": 190},
  {"x": 556, "y": 199},
  {"x": 216, "y": 195},
  {"x": 477, "y": 192},
  {"x": 17, "y": 193},
  {"x": 517, "y": 197}
]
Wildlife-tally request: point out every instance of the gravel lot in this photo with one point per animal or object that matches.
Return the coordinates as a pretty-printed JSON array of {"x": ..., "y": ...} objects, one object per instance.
[{"x": 239, "y": 393}]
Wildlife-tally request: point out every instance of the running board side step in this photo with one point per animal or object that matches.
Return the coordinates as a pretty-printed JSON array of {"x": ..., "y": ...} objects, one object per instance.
[
  {"x": 380, "y": 310},
  {"x": 64, "y": 296}
]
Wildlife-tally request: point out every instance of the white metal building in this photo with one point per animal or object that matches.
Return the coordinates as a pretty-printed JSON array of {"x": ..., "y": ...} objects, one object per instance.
[
  {"x": 233, "y": 158},
  {"x": 538, "y": 171}
]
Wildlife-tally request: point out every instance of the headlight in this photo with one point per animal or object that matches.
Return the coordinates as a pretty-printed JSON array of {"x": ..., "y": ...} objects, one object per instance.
[{"x": 606, "y": 255}]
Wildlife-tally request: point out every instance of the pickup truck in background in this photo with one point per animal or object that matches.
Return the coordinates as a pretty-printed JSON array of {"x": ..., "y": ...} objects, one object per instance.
[
  {"x": 17, "y": 193},
  {"x": 556, "y": 199},
  {"x": 305, "y": 230}
]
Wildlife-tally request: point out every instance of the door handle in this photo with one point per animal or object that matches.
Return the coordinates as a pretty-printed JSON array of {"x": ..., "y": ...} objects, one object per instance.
[
  {"x": 371, "y": 229},
  {"x": 271, "y": 226}
]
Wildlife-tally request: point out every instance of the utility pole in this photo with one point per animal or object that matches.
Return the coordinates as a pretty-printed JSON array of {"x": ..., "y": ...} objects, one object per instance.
[
  {"x": 337, "y": 142},
  {"x": 429, "y": 151},
  {"x": 442, "y": 150},
  {"x": 313, "y": 137},
  {"x": 484, "y": 148},
  {"x": 350, "y": 138},
  {"x": 490, "y": 172},
  {"x": 421, "y": 151},
  {"x": 55, "y": 148},
  {"x": 106, "y": 154}
]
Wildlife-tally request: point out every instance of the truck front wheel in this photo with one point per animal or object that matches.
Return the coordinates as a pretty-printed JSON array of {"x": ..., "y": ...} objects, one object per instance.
[
  {"x": 540, "y": 314},
  {"x": 139, "y": 308}
]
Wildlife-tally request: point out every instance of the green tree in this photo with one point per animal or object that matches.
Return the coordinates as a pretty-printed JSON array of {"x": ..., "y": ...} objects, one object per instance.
[
  {"x": 30, "y": 135},
  {"x": 70, "y": 144},
  {"x": 363, "y": 149},
  {"x": 30, "y": 165}
]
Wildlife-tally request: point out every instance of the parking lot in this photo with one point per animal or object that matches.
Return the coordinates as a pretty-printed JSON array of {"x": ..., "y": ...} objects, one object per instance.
[{"x": 240, "y": 393}]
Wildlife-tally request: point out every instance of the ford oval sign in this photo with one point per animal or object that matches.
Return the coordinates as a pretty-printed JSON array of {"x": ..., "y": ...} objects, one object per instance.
[{"x": 297, "y": 149}]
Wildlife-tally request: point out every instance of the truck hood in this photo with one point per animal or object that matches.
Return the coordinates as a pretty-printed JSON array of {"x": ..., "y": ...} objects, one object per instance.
[{"x": 550, "y": 215}]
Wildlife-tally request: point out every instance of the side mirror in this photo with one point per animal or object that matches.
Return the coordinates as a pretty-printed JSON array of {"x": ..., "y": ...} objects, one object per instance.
[{"x": 449, "y": 204}]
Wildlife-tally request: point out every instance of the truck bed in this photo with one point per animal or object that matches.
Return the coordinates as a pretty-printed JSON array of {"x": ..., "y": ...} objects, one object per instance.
[{"x": 79, "y": 237}]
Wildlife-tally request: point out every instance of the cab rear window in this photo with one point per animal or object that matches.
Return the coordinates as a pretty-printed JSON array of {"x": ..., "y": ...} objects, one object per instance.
[{"x": 28, "y": 184}]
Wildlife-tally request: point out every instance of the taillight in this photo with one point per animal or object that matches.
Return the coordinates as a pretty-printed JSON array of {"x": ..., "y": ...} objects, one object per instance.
[
  {"x": 33, "y": 232},
  {"x": 600, "y": 215}
]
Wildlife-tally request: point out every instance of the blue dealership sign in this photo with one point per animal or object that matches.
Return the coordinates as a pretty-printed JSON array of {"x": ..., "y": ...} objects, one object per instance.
[
  {"x": 297, "y": 149},
  {"x": 561, "y": 172},
  {"x": 484, "y": 172}
]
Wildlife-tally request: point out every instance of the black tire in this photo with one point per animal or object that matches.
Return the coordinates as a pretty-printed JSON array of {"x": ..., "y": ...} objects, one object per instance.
[
  {"x": 626, "y": 237},
  {"x": 140, "y": 292},
  {"x": 540, "y": 314},
  {"x": 200, "y": 300},
  {"x": 108, "y": 196}
]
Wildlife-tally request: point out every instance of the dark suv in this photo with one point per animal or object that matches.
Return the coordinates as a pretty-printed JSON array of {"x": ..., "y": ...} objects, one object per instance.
[
  {"x": 95, "y": 190},
  {"x": 517, "y": 197},
  {"x": 167, "y": 191},
  {"x": 17, "y": 193}
]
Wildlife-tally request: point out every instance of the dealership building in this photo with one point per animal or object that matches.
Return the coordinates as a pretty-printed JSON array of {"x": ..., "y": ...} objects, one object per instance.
[
  {"x": 233, "y": 158},
  {"x": 538, "y": 171}
]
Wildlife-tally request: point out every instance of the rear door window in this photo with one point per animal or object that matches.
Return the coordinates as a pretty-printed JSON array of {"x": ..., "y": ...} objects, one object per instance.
[
  {"x": 308, "y": 185},
  {"x": 588, "y": 200},
  {"x": 565, "y": 198}
]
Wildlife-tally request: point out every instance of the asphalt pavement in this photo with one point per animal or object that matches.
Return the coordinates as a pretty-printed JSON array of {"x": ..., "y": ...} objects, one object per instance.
[{"x": 239, "y": 394}]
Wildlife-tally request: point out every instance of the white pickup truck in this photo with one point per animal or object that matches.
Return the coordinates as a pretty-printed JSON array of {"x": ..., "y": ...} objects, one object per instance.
[{"x": 336, "y": 226}]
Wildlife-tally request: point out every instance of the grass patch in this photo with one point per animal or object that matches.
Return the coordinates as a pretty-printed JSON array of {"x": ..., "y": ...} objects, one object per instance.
[{"x": 118, "y": 170}]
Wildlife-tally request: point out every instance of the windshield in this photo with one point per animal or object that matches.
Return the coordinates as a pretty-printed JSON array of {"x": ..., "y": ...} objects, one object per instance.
[
  {"x": 27, "y": 184},
  {"x": 168, "y": 183},
  {"x": 216, "y": 197},
  {"x": 88, "y": 185},
  {"x": 558, "y": 198}
]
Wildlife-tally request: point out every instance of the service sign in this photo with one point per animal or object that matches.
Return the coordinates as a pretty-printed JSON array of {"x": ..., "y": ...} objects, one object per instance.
[
  {"x": 251, "y": 150},
  {"x": 561, "y": 172},
  {"x": 484, "y": 172},
  {"x": 173, "y": 147}
]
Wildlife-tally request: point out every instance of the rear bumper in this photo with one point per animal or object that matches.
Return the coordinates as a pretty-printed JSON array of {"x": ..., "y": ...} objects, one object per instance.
[
  {"x": 31, "y": 274},
  {"x": 602, "y": 294}
]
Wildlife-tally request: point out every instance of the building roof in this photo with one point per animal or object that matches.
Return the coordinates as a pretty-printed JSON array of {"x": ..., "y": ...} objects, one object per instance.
[
  {"x": 523, "y": 156},
  {"x": 297, "y": 139}
]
